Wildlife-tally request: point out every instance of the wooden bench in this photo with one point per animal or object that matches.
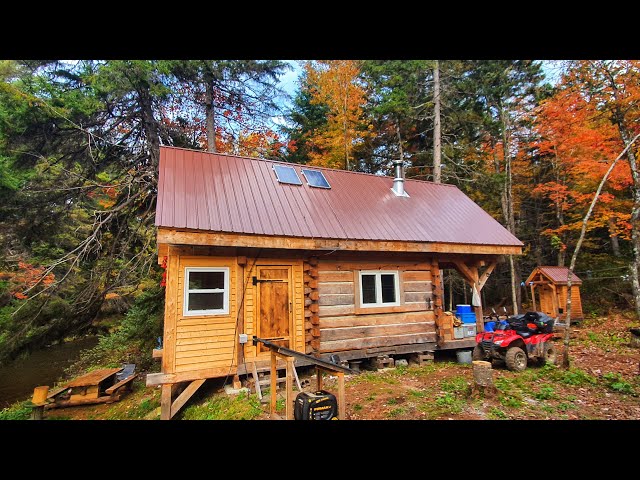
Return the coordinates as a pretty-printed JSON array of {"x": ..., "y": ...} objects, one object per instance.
[
  {"x": 53, "y": 394},
  {"x": 113, "y": 391}
]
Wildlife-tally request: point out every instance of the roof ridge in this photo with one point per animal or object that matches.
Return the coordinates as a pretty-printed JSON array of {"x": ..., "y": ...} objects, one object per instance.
[{"x": 303, "y": 165}]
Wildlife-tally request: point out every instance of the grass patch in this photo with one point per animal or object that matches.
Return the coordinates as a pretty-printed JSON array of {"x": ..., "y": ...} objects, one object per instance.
[
  {"x": 396, "y": 412},
  {"x": 454, "y": 385},
  {"x": 449, "y": 403},
  {"x": 573, "y": 376},
  {"x": 547, "y": 409},
  {"x": 451, "y": 400},
  {"x": 510, "y": 401},
  {"x": 418, "y": 393},
  {"x": 545, "y": 392},
  {"x": 357, "y": 407},
  {"x": 221, "y": 407},
  {"x": 420, "y": 371},
  {"x": 399, "y": 371},
  {"x": 17, "y": 411},
  {"x": 497, "y": 414},
  {"x": 607, "y": 341},
  {"x": 144, "y": 408},
  {"x": 564, "y": 406},
  {"x": 617, "y": 383}
]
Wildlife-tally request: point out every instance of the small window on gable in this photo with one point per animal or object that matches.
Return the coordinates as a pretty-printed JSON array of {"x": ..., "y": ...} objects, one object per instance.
[
  {"x": 206, "y": 291},
  {"x": 379, "y": 288}
]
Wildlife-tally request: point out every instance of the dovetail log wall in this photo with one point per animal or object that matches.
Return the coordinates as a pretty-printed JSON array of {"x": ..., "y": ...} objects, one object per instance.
[{"x": 342, "y": 324}]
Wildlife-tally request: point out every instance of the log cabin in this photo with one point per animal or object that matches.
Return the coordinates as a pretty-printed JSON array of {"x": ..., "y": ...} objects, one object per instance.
[
  {"x": 550, "y": 283},
  {"x": 319, "y": 260}
]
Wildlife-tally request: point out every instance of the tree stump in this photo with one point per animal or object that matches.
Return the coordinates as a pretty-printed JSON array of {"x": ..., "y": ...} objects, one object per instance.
[
  {"x": 38, "y": 401},
  {"x": 483, "y": 380}
]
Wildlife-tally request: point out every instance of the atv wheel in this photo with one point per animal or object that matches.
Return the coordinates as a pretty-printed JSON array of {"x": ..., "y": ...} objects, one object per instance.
[
  {"x": 516, "y": 359},
  {"x": 478, "y": 353},
  {"x": 549, "y": 355}
]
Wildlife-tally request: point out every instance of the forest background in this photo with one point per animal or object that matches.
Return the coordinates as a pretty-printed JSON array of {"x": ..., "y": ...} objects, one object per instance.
[{"x": 527, "y": 140}]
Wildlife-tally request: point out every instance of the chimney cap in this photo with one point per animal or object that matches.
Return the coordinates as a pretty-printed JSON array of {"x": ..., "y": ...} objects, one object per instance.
[{"x": 398, "y": 181}]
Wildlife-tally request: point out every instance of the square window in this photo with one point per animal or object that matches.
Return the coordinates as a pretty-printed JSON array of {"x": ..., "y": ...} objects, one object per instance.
[
  {"x": 379, "y": 288},
  {"x": 206, "y": 291}
]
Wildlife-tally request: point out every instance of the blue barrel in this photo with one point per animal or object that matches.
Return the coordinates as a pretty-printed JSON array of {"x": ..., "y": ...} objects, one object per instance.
[
  {"x": 463, "y": 309},
  {"x": 467, "y": 317}
]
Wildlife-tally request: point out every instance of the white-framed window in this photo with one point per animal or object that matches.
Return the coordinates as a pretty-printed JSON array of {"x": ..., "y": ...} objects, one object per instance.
[
  {"x": 206, "y": 291},
  {"x": 379, "y": 288}
]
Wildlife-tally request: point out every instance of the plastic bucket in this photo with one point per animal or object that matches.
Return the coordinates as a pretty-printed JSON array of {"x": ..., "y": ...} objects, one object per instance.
[{"x": 464, "y": 356}]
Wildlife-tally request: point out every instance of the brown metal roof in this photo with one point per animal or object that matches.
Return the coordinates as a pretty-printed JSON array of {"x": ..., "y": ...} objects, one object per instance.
[
  {"x": 557, "y": 275},
  {"x": 226, "y": 193}
]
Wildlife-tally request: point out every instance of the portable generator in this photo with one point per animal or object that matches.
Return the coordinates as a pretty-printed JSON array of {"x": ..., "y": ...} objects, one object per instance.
[{"x": 320, "y": 405}]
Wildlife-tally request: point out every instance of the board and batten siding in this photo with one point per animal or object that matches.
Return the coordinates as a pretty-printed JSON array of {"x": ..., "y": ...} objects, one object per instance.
[
  {"x": 576, "y": 302},
  {"x": 344, "y": 325},
  {"x": 207, "y": 341}
]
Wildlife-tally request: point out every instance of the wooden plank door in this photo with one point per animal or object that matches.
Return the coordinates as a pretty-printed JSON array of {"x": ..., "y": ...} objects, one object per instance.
[
  {"x": 547, "y": 304},
  {"x": 274, "y": 305}
]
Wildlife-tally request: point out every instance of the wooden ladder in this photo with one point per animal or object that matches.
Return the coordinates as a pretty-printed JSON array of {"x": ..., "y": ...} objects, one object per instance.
[{"x": 267, "y": 381}]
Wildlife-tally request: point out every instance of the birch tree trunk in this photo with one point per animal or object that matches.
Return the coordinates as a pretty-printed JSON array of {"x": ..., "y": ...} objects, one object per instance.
[
  {"x": 635, "y": 215},
  {"x": 574, "y": 257},
  {"x": 437, "y": 138}
]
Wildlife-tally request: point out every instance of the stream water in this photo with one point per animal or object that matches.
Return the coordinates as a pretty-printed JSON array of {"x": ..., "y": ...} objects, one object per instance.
[{"x": 42, "y": 367}]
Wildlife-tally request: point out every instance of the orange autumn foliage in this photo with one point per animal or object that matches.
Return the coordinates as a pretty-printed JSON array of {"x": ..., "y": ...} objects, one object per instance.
[
  {"x": 26, "y": 277},
  {"x": 335, "y": 83},
  {"x": 578, "y": 143}
]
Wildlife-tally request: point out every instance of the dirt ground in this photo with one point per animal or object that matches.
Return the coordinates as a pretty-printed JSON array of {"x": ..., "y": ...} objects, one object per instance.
[{"x": 603, "y": 383}]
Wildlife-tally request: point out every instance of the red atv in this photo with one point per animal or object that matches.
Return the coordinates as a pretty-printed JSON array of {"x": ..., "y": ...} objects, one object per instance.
[{"x": 518, "y": 339}]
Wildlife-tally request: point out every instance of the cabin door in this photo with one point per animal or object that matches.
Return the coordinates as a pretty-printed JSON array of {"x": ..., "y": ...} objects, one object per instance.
[
  {"x": 275, "y": 312},
  {"x": 547, "y": 300}
]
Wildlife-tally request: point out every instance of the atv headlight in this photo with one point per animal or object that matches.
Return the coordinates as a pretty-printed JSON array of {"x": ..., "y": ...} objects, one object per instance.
[{"x": 498, "y": 342}]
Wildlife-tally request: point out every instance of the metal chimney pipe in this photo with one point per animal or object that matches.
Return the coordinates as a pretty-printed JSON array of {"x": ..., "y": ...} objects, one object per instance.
[{"x": 398, "y": 182}]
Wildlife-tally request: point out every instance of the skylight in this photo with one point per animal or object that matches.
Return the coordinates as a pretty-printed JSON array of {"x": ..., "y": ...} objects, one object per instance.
[
  {"x": 315, "y": 178},
  {"x": 286, "y": 175}
]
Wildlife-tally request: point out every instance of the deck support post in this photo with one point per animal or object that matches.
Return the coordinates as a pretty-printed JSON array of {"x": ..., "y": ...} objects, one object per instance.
[{"x": 165, "y": 402}]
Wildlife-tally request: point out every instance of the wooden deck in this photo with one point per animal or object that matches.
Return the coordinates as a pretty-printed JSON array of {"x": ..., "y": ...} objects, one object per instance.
[{"x": 462, "y": 343}]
